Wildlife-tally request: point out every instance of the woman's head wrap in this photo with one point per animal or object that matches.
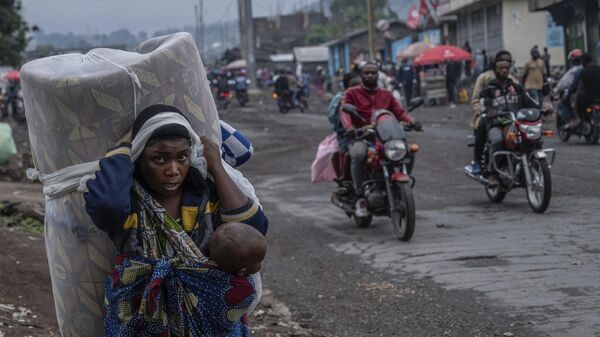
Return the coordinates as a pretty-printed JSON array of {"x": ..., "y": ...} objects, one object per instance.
[{"x": 167, "y": 131}]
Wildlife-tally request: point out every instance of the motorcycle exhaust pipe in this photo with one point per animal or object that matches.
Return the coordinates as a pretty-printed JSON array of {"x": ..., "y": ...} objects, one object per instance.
[
  {"x": 478, "y": 178},
  {"x": 347, "y": 208}
]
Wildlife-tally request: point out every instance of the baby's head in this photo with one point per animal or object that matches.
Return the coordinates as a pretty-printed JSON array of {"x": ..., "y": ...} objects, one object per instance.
[{"x": 238, "y": 248}]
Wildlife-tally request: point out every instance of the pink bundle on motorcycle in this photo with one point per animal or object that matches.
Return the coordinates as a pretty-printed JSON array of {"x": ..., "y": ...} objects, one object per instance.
[{"x": 322, "y": 167}]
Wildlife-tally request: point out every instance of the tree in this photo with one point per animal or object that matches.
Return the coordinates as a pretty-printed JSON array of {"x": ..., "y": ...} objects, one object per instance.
[
  {"x": 13, "y": 33},
  {"x": 346, "y": 16}
]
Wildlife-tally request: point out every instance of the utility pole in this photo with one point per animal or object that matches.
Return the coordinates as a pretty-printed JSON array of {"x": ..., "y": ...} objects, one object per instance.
[
  {"x": 201, "y": 20},
  {"x": 371, "y": 32},
  {"x": 197, "y": 29},
  {"x": 247, "y": 38}
]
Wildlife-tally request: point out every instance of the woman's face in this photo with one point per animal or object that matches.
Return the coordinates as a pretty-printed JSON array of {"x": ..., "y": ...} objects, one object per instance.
[{"x": 165, "y": 164}]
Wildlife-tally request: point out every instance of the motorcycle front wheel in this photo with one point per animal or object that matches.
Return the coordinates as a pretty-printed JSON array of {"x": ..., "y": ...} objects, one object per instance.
[
  {"x": 539, "y": 191},
  {"x": 403, "y": 213}
]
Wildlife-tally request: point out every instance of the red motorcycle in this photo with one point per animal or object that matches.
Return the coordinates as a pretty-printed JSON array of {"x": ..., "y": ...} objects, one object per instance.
[
  {"x": 388, "y": 189},
  {"x": 522, "y": 163}
]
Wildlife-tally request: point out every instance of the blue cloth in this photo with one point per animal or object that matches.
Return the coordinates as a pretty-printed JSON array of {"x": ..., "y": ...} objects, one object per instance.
[
  {"x": 333, "y": 115},
  {"x": 236, "y": 149},
  {"x": 147, "y": 297}
]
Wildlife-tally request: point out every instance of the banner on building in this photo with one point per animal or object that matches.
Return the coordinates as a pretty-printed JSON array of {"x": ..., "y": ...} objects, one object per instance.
[
  {"x": 555, "y": 37},
  {"x": 399, "y": 45},
  {"x": 413, "y": 19},
  {"x": 433, "y": 36}
]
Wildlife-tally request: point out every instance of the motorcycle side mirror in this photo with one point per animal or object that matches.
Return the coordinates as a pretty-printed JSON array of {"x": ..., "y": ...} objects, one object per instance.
[
  {"x": 352, "y": 111},
  {"x": 415, "y": 103}
]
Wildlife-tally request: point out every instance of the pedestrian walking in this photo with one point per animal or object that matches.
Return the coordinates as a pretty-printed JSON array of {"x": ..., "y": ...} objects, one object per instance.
[
  {"x": 546, "y": 58},
  {"x": 467, "y": 47},
  {"x": 533, "y": 78},
  {"x": 452, "y": 75},
  {"x": 405, "y": 77}
]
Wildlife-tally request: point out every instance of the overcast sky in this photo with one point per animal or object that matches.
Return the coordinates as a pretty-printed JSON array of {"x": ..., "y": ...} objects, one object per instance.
[{"x": 105, "y": 16}]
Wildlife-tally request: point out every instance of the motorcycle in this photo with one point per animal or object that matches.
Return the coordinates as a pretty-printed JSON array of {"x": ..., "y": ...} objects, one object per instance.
[
  {"x": 286, "y": 101},
  {"x": 522, "y": 163},
  {"x": 241, "y": 93},
  {"x": 223, "y": 99},
  {"x": 589, "y": 128},
  {"x": 388, "y": 189}
]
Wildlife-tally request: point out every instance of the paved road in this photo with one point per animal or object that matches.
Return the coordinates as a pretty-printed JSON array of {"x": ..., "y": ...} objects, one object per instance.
[{"x": 473, "y": 268}]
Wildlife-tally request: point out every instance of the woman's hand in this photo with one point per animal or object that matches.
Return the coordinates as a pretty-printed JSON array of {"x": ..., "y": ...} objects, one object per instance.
[{"x": 212, "y": 154}]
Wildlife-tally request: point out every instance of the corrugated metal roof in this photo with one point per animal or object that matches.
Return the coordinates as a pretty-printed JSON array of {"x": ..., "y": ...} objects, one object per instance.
[
  {"x": 282, "y": 58},
  {"x": 311, "y": 54}
]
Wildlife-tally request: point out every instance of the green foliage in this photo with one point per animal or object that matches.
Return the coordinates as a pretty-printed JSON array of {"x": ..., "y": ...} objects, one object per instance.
[
  {"x": 322, "y": 33},
  {"x": 13, "y": 33},
  {"x": 347, "y": 16},
  {"x": 22, "y": 223}
]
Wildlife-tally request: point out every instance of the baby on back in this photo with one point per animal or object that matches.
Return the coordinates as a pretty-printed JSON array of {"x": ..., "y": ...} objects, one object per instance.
[{"x": 238, "y": 248}]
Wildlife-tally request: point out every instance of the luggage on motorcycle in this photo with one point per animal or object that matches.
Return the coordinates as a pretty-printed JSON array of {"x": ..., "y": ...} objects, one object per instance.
[
  {"x": 322, "y": 167},
  {"x": 7, "y": 145}
]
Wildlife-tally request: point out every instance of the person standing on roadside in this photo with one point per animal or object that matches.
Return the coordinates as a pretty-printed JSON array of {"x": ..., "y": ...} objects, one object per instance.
[
  {"x": 406, "y": 77},
  {"x": 546, "y": 58},
  {"x": 533, "y": 78},
  {"x": 451, "y": 79}
]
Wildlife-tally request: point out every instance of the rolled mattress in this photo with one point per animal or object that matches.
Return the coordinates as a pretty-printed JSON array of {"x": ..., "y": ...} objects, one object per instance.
[{"x": 77, "y": 106}]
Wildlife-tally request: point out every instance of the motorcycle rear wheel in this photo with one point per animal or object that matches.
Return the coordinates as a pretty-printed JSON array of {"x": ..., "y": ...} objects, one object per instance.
[
  {"x": 363, "y": 221},
  {"x": 563, "y": 134},
  {"x": 594, "y": 135},
  {"x": 403, "y": 224},
  {"x": 539, "y": 191}
]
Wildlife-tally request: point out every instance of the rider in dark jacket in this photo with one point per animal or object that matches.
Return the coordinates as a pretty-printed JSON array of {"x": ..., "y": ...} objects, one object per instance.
[{"x": 501, "y": 95}]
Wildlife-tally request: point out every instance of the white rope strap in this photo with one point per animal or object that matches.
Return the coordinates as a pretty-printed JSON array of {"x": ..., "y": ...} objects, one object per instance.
[{"x": 135, "y": 81}]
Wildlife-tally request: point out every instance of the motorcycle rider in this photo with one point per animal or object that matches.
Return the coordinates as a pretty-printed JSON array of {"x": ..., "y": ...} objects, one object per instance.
[
  {"x": 501, "y": 94},
  {"x": 565, "y": 82},
  {"x": 586, "y": 87},
  {"x": 368, "y": 98},
  {"x": 241, "y": 84},
  {"x": 479, "y": 127}
]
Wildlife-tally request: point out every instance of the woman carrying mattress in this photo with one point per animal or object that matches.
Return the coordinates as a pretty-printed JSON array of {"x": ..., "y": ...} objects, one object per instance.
[{"x": 190, "y": 239}]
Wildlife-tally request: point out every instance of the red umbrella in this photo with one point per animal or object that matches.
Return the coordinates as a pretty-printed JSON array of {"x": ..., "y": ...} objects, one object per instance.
[
  {"x": 12, "y": 75},
  {"x": 441, "y": 54}
]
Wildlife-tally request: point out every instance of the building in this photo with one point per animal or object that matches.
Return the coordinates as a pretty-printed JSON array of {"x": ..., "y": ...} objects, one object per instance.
[
  {"x": 354, "y": 47},
  {"x": 309, "y": 58},
  {"x": 505, "y": 24},
  {"x": 580, "y": 19},
  {"x": 280, "y": 34}
]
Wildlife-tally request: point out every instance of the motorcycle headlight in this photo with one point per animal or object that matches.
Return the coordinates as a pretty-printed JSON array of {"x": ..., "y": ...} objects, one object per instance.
[
  {"x": 532, "y": 131},
  {"x": 395, "y": 150}
]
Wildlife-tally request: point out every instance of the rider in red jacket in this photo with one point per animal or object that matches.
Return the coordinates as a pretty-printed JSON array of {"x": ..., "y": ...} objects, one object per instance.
[{"x": 368, "y": 98}]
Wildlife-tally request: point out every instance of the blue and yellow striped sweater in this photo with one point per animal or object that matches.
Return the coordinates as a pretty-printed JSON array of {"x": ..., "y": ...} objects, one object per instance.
[{"x": 111, "y": 205}]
